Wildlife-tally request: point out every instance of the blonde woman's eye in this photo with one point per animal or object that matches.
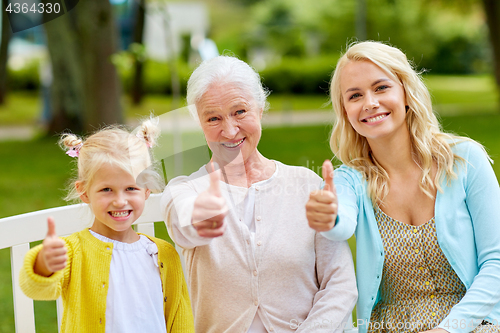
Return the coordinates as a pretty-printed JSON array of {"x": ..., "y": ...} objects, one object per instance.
[
  {"x": 353, "y": 96},
  {"x": 383, "y": 87}
]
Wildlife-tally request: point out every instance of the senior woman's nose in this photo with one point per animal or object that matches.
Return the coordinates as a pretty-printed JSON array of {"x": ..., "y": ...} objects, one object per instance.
[{"x": 230, "y": 128}]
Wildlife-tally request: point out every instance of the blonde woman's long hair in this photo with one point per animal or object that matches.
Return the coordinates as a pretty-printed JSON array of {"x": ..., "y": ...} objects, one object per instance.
[{"x": 429, "y": 144}]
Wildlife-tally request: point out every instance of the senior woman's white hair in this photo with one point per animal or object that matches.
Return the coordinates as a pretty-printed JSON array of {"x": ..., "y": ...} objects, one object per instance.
[{"x": 221, "y": 70}]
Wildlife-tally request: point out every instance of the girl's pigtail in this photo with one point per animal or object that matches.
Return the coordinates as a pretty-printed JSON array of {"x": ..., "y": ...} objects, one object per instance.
[
  {"x": 71, "y": 143},
  {"x": 149, "y": 131}
]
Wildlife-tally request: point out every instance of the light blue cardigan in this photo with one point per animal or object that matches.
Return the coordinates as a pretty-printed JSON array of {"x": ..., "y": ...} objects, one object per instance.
[{"x": 467, "y": 215}]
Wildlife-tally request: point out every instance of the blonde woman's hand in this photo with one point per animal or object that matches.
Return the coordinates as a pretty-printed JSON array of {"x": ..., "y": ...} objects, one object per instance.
[
  {"x": 322, "y": 206},
  {"x": 210, "y": 209},
  {"x": 53, "y": 255}
]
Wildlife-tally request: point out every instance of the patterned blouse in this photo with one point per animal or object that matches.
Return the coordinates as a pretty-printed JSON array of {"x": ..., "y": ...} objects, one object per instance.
[{"x": 419, "y": 287}]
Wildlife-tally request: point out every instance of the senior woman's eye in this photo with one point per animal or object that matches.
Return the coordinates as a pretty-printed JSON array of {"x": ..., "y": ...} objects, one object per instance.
[
  {"x": 212, "y": 119},
  {"x": 240, "y": 112}
]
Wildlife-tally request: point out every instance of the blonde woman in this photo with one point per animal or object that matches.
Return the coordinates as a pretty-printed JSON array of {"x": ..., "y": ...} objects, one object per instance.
[{"x": 424, "y": 205}]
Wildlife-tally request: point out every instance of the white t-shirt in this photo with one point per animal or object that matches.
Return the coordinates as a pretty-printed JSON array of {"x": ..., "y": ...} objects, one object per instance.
[{"x": 135, "y": 298}]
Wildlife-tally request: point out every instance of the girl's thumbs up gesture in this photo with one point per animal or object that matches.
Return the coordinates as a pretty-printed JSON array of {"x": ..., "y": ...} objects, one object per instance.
[
  {"x": 53, "y": 256},
  {"x": 322, "y": 207},
  {"x": 210, "y": 208}
]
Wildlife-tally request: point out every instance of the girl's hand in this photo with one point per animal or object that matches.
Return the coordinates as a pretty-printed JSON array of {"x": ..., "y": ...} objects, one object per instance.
[
  {"x": 210, "y": 209},
  {"x": 322, "y": 207},
  {"x": 53, "y": 256}
]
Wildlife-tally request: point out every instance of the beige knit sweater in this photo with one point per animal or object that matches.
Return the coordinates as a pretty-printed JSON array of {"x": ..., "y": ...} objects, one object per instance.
[{"x": 296, "y": 279}]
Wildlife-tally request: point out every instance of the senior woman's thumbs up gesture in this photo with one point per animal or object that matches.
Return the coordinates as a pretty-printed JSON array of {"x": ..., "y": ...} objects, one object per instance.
[
  {"x": 322, "y": 206},
  {"x": 210, "y": 209}
]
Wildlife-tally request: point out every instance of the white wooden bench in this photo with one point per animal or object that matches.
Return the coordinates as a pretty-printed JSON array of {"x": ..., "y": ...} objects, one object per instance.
[{"x": 18, "y": 231}]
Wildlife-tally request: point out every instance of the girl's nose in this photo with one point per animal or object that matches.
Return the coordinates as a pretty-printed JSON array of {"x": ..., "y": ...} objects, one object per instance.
[{"x": 120, "y": 200}]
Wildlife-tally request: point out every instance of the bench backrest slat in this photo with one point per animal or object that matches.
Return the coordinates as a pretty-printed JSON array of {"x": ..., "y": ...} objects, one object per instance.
[
  {"x": 18, "y": 231},
  {"x": 24, "y": 314}
]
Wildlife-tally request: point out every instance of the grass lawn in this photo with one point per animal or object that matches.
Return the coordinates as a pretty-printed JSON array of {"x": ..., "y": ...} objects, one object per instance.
[{"x": 34, "y": 174}]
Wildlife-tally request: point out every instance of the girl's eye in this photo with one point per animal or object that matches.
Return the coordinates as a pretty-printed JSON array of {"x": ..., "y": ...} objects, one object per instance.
[
  {"x": 106, "y": 189},
  {"x": 353, "y": 96},
  {"x": 131, "y": 188}
]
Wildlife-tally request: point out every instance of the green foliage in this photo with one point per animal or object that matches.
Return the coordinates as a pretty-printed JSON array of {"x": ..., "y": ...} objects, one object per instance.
[
  {"x": 300, "y": 75},
  {"x": 25, "y": 78},
  {"x": 436, "y": 35},
  {"x": 157, "y": 76}
]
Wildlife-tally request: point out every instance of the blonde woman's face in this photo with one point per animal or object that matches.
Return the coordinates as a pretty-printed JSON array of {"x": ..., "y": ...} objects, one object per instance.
[{"x": 374, "y": 103}]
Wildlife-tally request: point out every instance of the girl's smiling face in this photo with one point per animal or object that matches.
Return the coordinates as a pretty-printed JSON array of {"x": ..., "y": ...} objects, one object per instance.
[
  {"x": 374, "y": 103},
  {"x": 116, "y": 201}
]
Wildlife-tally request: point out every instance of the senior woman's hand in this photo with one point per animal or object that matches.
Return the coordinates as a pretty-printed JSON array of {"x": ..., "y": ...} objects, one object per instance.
[
  {"x": 210, "y": 209},
  {"x": 322, "y": 206}
]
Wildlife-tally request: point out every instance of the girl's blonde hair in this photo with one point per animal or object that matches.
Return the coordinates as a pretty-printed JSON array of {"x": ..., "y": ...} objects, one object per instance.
[
  {"x": 115, "y": 146},
  {"x": 429, "y": 144}
]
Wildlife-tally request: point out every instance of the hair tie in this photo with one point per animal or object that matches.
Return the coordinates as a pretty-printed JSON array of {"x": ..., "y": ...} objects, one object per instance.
[
  {"x": 143, "y": 138},
  {"x": 75, "y": 150}
]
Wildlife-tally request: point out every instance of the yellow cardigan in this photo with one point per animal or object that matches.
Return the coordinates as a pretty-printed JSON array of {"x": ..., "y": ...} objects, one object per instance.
[{"x": 83, "y": 284}]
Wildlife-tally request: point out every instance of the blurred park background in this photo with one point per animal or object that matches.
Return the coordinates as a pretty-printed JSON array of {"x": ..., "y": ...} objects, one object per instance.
[{"x": 115, "y": 61}]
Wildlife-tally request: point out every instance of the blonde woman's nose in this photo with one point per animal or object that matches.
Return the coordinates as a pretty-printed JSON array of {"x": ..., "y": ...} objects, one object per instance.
[{"x": 371, "y": 102}]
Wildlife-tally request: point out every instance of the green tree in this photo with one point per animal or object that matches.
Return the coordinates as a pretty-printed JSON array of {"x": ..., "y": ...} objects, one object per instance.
[
  {"x": 492, "y": 11},
  {"x": 85, "y": 88}
]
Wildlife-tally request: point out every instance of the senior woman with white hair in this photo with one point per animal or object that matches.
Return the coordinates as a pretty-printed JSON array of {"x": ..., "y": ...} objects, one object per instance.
[{"x": 253, "y": 265}]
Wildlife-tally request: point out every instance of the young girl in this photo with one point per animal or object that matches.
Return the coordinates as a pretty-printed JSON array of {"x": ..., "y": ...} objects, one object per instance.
[{"x": 111, "y": 278}]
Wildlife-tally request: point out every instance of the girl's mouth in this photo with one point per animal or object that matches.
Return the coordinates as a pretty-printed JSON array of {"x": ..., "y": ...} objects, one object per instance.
[{"x": 122, "y": 213}]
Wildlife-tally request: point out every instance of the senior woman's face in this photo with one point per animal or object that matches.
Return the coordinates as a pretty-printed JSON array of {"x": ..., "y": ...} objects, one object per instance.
[{"x": 230, "y": 120}]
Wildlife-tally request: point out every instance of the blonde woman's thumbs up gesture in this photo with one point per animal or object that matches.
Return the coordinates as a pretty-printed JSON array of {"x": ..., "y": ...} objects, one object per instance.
[
  {"x": 322, "y": 206},
  {"x": 210, "y": 208},
  {"x": 53, "y": 255}
]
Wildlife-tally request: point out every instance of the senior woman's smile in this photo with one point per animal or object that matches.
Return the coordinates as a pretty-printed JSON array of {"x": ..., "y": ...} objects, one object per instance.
[
  {"x": 230, "y": 119},
  {"x": 236, "y": 144}
]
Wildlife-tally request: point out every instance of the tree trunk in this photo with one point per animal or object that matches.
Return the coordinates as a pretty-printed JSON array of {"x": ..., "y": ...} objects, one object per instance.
[
  {"x": 492, "y": 11},
  {"x": 3, "y": 54},
  {"x": 137, "y": 83},
  {"x": 85, "y": 93},
  {"x": 66, "y": 91},
  {"x": 97, "y": 37},
  {"x": 361, "y": 19}
]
